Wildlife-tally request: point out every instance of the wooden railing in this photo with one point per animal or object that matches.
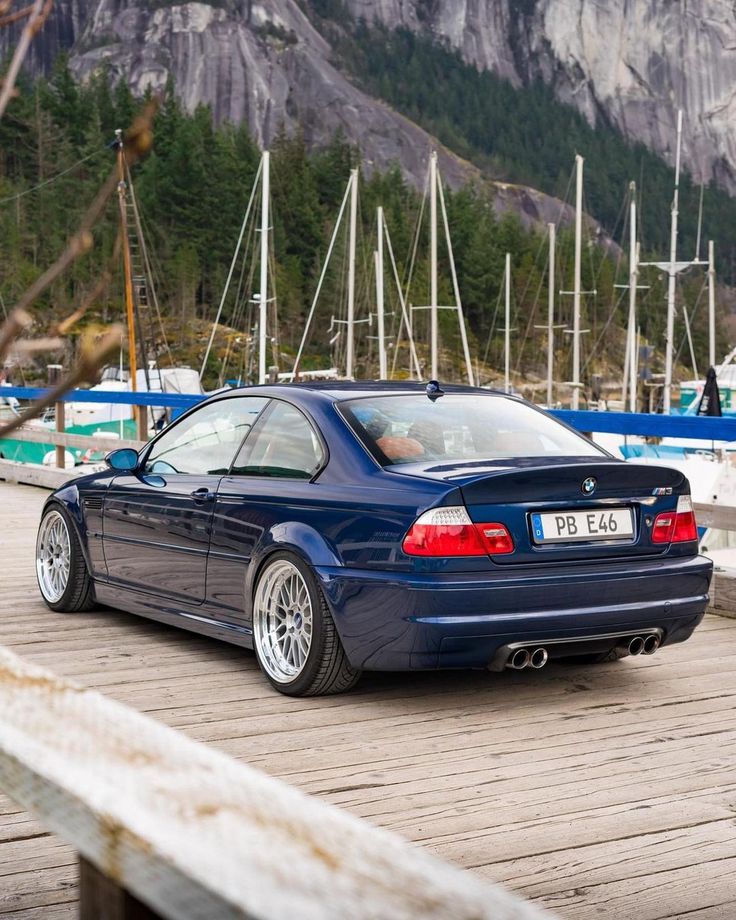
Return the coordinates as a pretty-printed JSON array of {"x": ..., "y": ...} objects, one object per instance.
[
  {"x": 723, "y": 586},
  {"x": 163, "y": 821},
  {"x": 51, "y": 477}
]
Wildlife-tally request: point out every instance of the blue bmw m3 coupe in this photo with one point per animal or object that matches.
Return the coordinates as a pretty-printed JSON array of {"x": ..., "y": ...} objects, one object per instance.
[{"x": 336, "y": 528}]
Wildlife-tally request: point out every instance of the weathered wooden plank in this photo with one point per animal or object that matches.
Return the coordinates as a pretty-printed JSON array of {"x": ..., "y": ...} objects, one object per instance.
[
  {"x": 193, "y": 834},
  {"x": 717, "y": 516},
  {"x": 102, "y": 441},
  {"x": 33, "y": 474},
  {"x": 548, "y": 874},
  {"x": 723, "y": 593},
  {"x": 443, "y": 758}
]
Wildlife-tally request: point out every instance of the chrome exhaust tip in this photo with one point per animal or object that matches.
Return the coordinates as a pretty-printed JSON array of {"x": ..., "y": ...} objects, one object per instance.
[
  {"x": 636, "y": 645},
  {"x": 651, "y": 644},
  {"x": 538, "y": 658},
  {"x": 519, "y": 659}
]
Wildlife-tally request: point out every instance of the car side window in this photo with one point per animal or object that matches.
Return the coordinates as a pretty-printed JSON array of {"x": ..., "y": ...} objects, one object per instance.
[
  {"x": 206, "y": 441},
  {"x": 283, "y": 445}
]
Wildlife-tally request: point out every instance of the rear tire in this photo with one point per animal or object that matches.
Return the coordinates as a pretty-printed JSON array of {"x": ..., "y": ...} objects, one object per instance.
[
  {"x": 61, "y": 570},
  {"x": 294, "y": 636}
]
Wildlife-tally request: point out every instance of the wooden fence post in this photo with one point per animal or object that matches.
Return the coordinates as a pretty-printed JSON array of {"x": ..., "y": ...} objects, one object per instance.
[
  {"x": 101, "y": 898},
  {"x": 141, "y": 416},
  {"x": 53, "y": 372}
]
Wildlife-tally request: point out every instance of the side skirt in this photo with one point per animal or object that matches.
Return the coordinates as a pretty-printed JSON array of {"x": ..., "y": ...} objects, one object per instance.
[{"x": 155, "y": 608}]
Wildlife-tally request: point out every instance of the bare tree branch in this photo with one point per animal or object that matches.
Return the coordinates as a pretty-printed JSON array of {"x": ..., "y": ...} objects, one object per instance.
[
  {"x": 95, "y": 350},
  {"x": 137, "y": 143},
  {"x": 11, "y": 329},
  {"x": 37, "y": 16}
]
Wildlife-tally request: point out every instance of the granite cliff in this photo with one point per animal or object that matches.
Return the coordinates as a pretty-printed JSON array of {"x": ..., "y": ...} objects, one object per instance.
[{"x": 630, "y": 63}]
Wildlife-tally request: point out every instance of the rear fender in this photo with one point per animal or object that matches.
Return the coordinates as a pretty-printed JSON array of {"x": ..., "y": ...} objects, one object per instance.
[{"x": 292, "y": 536}]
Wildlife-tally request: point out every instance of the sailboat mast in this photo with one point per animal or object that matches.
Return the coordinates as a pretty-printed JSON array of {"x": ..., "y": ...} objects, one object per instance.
[
  {"x": 350, "y": 346},
  {"x": 576, "y": 286},
  {"x": 382, "y": 370},
  {"x": 434, "y": 330},
  {"x": 711, "y": 306},
  {"x": 127, "y": 271},
  {"x": 263, "y": 296},
  {"x": 551, "y": 313},
  {"x": 633, "y": 276},
  {"x": 405, "y": 314},
  {"x": 507, "y": 329},
  {"x": 455, "y": 285},
  {"x": 672, "y": 273}
]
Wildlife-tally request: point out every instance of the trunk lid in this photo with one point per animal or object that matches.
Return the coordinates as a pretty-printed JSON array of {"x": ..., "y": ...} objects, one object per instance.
[{"x": 516, "y": 494}]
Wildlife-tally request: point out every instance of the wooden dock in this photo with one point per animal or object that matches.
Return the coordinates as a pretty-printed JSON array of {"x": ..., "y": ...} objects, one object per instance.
[{"x": 603, "y": 792}]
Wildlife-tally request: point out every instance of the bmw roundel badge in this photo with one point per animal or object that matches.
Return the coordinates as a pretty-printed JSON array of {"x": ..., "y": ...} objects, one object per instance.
[{"x": 588, "y": 486}]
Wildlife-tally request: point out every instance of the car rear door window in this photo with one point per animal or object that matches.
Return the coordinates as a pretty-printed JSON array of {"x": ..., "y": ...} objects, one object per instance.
[
  {"x": 206, "y": 441},
  {"x": 284, "y": 444}
]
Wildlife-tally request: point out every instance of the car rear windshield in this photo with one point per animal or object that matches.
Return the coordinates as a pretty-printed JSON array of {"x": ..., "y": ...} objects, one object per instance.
[{"x": 459, "y": 428}]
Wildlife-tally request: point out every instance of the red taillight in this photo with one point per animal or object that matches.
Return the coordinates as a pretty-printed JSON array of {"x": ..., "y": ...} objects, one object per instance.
[
  {"x": 495, "y": 538},
  {"x": 450, "y": 532},
  {"x": 676, "y": 526}
]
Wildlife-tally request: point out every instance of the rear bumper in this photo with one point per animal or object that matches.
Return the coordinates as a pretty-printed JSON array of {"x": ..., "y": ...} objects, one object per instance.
[{"x": 390, "y": 621}]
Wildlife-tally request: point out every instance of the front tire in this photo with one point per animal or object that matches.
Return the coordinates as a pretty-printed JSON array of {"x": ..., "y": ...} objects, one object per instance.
[
  {"x": 294, "y": 635},
  {"x": 61, "y": 570}
]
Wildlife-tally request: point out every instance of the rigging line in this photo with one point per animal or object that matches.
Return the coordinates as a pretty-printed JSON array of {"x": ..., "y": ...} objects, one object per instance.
[
  {"x": 564, "y": 201},
  {"x": 517, "y": 303},
  {"x": 242, "y": 311},
  {"x": 151, "y": 231},
  {"x": 532, "y": 316},
  {"x": 455, "y": 285},
  {"x": 52, "y": 179},
  {"x": 623, "y": 216},
  {"x": 238, "y": 318},
  {"x": 232, "y": 269},
  {"x": 321, "y": 280},
  {"x": 343, "y": 278},
  {"x": 404, "y": 314},
  {"x": 275, "y": 340},
  {"x": 493, "y": 325},
  {"x": 363, "y": 286},
  {"x": 409, "y": 273},
  {"x": 614, "y": 310},
  {"x": 691, "y": 317},
  {"x": 700, "y": 223},
  {"x": 146, "y": 261}
]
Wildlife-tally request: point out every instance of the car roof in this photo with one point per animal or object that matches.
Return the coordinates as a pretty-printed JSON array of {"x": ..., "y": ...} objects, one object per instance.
[{"x": 337, "y": 390}]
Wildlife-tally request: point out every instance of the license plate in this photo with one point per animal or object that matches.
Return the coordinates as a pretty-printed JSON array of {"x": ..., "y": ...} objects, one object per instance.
[{"x": 579, "y": 526}]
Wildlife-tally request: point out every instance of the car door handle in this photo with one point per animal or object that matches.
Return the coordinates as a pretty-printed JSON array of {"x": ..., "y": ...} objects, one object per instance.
[{"x": 203, "y": 495}]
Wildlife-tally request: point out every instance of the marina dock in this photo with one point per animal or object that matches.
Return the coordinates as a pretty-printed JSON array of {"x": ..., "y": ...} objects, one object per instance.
[{"x": 603, "y": 791}]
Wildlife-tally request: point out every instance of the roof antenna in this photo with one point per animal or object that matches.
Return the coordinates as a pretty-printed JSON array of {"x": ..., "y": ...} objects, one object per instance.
[{"x": 434, "y": 390}]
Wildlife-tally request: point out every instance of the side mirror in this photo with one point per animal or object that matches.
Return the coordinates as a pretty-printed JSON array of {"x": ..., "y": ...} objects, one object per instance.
[{"x": 123, "y": 460}]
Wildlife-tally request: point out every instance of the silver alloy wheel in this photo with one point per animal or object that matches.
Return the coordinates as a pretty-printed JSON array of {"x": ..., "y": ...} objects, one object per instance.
[
  {"x": 53, "y": 556},
  {"x": 282, "y": 621}
]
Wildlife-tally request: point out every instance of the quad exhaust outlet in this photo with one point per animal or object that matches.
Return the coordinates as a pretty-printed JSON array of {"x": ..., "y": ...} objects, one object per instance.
[
  {"x": 651, "y": 644},
  {"x": 643, "y": 645},
  {"x": 519, "y": 659},
  {"x": 523, "y": 658}
]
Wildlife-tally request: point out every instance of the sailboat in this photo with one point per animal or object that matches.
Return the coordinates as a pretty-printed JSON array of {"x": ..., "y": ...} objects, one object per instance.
[{"x": 140, "y": 298}]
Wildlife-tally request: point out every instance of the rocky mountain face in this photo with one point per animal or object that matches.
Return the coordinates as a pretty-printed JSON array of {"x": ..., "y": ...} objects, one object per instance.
[{"x": 631, "y": 62}]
